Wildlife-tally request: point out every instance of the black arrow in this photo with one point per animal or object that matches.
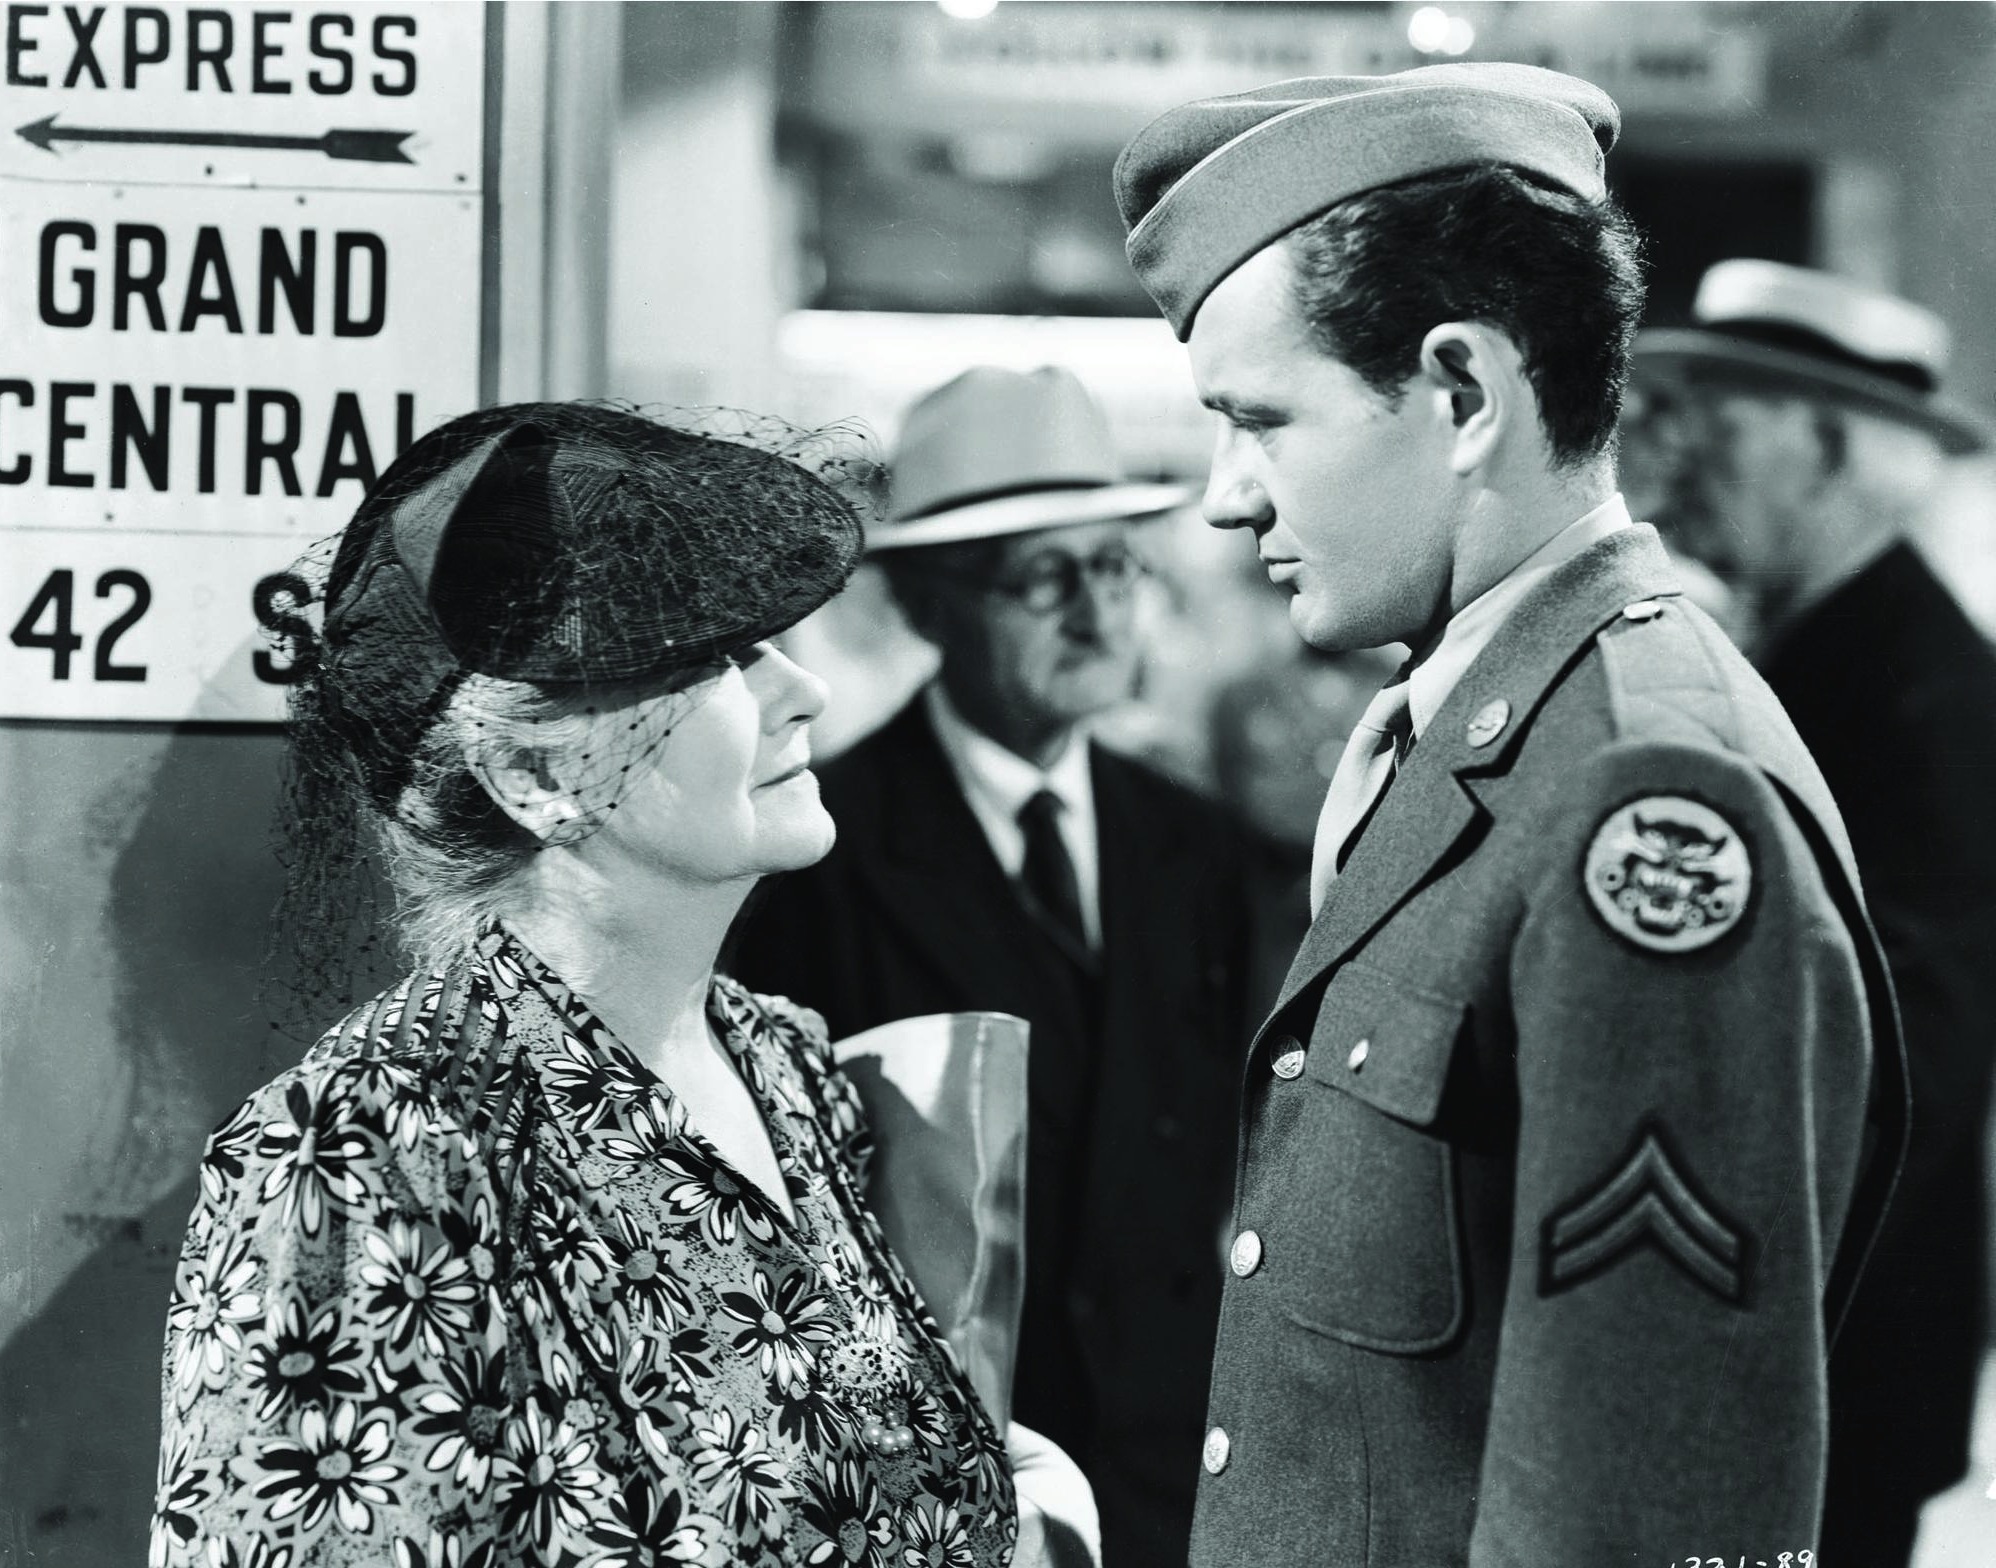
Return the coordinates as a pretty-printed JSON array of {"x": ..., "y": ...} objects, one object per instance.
[{"x": 360, "y": 146}]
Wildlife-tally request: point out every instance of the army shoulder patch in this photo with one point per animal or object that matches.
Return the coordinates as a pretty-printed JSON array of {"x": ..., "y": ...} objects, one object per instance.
[
  {"x": 1650, "y": 1200},
  {"x": 1668, "y": 873}
]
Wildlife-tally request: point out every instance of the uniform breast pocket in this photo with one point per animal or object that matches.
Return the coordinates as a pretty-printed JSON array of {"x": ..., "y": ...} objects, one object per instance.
[{"x": 1372, "y": 1254}]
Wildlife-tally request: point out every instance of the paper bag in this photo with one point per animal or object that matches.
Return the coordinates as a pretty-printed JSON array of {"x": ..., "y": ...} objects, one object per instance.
[{"x": 945, "y": 1095}]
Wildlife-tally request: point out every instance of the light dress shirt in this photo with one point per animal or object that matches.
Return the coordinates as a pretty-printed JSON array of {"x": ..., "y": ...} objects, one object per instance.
[
  {"x": 997, "y": 783},
  {"x": 1470, "y": 629}
]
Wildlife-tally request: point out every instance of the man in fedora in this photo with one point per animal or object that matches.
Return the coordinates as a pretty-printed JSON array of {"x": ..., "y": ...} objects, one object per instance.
[
  {"x": 1824, "y": 431},
  {"x": 990, "y": 856},
  {"x": 1552, "y": 1176}
]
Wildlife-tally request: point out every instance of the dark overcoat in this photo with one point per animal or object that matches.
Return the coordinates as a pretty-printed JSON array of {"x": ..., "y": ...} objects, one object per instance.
[
  {"x": 1552, "y": 1205},
  {"x": 1132, "y": 1075},
  {"x": 1894, "y": 690}
]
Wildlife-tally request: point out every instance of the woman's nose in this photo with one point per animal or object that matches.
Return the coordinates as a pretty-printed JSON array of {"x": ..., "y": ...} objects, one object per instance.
[{"x": 797, "y": 696}]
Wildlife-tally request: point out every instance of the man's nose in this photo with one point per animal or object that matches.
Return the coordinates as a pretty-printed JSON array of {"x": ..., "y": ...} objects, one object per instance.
[
  {"x": 1234, "y": 498},
  {"x": 1088, "y": 607}
]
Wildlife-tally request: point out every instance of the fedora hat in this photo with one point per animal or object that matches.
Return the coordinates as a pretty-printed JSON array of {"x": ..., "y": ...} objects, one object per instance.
[
  {"x": 1797, "y": 327},
  {"x": 997, "y": 452}
]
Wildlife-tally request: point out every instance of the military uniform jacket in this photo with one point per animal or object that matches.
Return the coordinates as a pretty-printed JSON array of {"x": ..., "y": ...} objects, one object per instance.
[{"x": 1549, "y": 1178}]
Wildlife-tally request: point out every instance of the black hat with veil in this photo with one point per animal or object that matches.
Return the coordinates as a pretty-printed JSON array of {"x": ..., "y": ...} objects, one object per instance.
[{"x": 588, "y": 557}]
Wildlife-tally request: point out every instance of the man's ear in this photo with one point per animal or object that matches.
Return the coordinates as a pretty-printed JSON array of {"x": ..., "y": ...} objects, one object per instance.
[
  {"x": 1474, "y": 377},
  {"x": 523, "y": 786}
]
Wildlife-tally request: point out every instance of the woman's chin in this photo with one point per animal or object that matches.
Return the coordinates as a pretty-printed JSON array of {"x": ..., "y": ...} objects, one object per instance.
[{"x": 803, "y": 838}]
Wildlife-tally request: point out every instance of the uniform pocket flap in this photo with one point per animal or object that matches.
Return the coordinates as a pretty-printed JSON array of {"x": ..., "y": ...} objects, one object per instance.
[{"x": 1385, "y": 1042}]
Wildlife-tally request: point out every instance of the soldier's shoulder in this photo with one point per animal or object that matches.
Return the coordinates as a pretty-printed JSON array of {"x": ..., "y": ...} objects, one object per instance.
[
  {"x": 1666, "y": 742},
  {"x": 1670, "y": 675}
]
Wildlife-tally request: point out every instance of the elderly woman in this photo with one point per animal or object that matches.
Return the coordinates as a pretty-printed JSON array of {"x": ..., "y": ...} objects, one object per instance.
[{"x": 556, "y": 1251}]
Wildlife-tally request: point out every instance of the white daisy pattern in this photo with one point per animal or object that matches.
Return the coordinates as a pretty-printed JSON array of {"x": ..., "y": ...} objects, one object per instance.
[{"x": 470, "y": 1290}]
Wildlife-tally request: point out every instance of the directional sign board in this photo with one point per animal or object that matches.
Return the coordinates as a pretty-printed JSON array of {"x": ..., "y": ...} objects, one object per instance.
[{"x": 240, "y": 269}]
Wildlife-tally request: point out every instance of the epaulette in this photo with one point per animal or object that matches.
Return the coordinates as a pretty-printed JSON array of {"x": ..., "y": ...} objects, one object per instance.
[{"x": 1664, "y": 677}]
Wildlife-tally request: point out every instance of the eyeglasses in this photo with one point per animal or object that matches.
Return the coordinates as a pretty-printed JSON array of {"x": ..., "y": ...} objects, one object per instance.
[{"x": 1048, "y": 582}]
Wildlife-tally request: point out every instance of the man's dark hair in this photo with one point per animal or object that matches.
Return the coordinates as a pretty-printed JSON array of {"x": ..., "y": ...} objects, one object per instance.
[{"x": 1558, "y": 275}]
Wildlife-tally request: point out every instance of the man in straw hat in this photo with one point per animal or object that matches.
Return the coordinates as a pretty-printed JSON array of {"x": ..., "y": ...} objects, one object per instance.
[
  {"x": 1824, "y": 435},
  {"x": 990, "y": 856},
  {"x": 1552, "y": 1181}
]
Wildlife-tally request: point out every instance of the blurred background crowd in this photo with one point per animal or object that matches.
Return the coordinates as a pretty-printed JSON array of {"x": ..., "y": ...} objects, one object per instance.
[
  {"x": 885, "y": 195},
  {"x": 823, "y": 211}
]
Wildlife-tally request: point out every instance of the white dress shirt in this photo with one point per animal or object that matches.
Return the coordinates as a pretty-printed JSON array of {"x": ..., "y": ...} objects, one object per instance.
[{"x": 997, "y": 783}]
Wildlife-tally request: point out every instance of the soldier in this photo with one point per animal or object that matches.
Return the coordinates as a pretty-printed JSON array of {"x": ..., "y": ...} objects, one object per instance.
[
  {"x": 1826, "y": 437},
  {"x": 1552, "y": 1178}
]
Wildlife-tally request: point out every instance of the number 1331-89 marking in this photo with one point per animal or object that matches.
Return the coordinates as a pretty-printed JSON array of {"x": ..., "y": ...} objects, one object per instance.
[{"x": 1781, "y": 1560}]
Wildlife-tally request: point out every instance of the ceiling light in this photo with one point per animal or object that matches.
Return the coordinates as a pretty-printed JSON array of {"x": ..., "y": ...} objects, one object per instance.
[{"x": 1428, "y": 29}]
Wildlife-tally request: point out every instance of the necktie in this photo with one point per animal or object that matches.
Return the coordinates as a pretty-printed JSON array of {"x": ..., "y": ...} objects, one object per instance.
[
  {"x": 1048, "y": 872},
  {"x": 1383, "y": 732}
]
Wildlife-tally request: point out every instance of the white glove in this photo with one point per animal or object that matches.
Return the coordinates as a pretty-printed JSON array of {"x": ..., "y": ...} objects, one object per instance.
[{"x": 1058, "y": 1527}]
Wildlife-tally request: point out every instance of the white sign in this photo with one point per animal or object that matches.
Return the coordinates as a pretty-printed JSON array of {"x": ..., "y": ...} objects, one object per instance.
[
  {"x": 1663, "y": 58},
  {"x": 240, "y": 270}
]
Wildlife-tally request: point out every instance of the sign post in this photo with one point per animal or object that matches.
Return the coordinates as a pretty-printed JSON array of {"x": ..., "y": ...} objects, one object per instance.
[{"x": 241, "y": 267}]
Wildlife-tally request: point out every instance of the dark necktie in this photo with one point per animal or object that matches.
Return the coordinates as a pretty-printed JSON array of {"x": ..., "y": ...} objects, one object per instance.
[{"x": 1048, "y": 873}]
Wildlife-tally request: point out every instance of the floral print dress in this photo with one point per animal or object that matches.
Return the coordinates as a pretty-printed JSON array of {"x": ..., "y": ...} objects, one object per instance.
[{"x": 464, "y": 1288}]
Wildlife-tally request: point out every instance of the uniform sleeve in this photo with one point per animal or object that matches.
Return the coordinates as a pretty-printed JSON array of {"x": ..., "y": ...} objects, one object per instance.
[
  {"x": 1692, "y": 1067},
  {"x": 333, "y": 1385}
]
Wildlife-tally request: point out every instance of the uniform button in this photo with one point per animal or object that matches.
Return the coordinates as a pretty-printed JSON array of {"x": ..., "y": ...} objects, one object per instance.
[
  {"x": 1246, "y": 1255},
  {"x": 1167, "y": 1128},
  {"x": 1218, "y": 1448},
  {"x": 1489, "y": 722},
  {"x": 1288, "y": 1058},
  {"x": 1358, "y": 1055},
  {"x": 1642, "y": 610}
]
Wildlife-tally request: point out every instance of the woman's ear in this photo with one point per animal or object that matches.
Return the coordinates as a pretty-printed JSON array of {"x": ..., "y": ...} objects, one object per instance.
[
  {"x": 523, "y": 786},
  {"x": 1472, "y": 376}
]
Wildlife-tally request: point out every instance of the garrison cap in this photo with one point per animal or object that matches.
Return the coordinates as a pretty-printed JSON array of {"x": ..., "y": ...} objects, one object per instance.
[{"x": 1206, "y": 185}]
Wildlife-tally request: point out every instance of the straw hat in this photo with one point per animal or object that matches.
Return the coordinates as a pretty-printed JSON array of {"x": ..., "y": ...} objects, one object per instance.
[
  {"x": 997, "y": 452},
  {"x": 1794, "y": 326}
]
